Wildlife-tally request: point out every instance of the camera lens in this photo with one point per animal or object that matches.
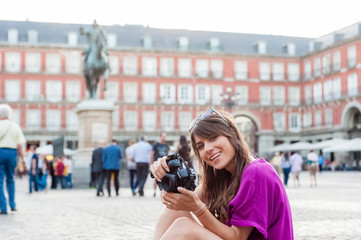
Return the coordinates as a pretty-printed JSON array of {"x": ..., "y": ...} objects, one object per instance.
[{"x": 169, "y": 183}]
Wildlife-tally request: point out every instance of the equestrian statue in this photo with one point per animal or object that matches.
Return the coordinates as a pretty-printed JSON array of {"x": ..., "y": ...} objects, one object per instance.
[{"x": 96, "y": 62}]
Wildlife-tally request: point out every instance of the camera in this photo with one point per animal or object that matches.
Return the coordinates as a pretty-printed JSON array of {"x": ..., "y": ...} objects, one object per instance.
[{"x": 180, "y": 175}]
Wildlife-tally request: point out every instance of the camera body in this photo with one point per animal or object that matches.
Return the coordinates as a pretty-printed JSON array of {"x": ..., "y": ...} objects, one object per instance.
[{"x": 180, "y": 175}]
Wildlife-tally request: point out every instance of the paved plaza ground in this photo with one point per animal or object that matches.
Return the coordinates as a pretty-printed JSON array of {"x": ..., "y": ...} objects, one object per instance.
[{"x": 332, "y": 210}]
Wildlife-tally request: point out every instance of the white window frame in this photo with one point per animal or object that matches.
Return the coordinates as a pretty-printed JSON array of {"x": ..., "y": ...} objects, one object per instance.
[
  {"x": 279, "y": 121},
  {"x": 72, "y": 62},
  {"x": 278, "y": 93},
  {"x": 336, "y": 61},
  {"x": 202, "y": 94},
  {"x": 167, "y": 93},
  {"x": 294, "y": 96},
  {"x": 149, "y": 121},
  {"x": 32, "y": 37},
  {"x": 149, "y": 66},
  {"x": 293, "y": 72},
  {"x": 326, "y": 64},
  {"x": 336, "y": 88},
  {"x": 71, "y": 120},
  {"x": 202, "y": 68},
  {"x": 278, "y": 71},
  {"x": 149, "y": 92},
  {"x": 242, "y": 92},
  {"x": 318, "y": 118},
  {"x": 130, "y": 65},
  {"x": 317, "y": 92},
  {"x": 308, "y": 70},
  {"x": 307, "y": 119},
  {"x": 329, "y": 117},
  {"x": 265, "y": 95},
  {"x": 12, "y": 90},
  {"x": 216, "y": 91},
  {"x": 111, "y": 40},
  {"x": 317, "y": 67},
  {"x": 217, "y": 68},
  {"x": 12, "y": 62},
  {"x": 33, "y": 90},
  {"x": 72, "y": 39},
  {"x": 308, "y": 94},
  {"x": 13, "y": 36},
  {"x": 115, "y": 118},
  {"x": 351, "y": 56},
  {"x": 114, "y": 64},
  {"x": 130, "y": 120},
  {"x": 112, "y": 92},
  {"x": 184, "y": 67},
  {"x": 352, "y": 86},
  {"x": 53, "y": 119},
  {"x": 167, "y": 120},
  {"x": 185, "y": 94},
  {"x": 295, "y": 124},
  {"x": 52, "y": 63},
  {"x": 33, "y": 119},
  {"x": 32, "y": 62},
  {"x": 327, "y": 90},
  {"x": 264, "y": 71},
  {"x": 240, "y": 70},
  {"x": 130, "y": 92},
  {"x": 54, "y": 90},
  {"x": 166, "y": 67},
  {"x": 184, "y": 118}
]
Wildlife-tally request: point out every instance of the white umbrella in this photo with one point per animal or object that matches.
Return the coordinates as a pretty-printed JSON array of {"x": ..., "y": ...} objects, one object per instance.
[
  {"x": 352, "y": 145},
  {"x": 328, "y": 143},
  {"x": 279, "y": 148},
  {"x": 48, "y": 150},
  {"x": 300, "y": 146}
]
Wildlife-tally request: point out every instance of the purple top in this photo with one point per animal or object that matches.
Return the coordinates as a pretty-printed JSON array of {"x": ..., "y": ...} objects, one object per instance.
[{"x": 261, "y": 202}]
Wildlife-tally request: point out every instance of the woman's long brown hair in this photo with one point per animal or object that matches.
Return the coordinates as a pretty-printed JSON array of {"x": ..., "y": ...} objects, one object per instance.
[{"x": 219, "y": 186}]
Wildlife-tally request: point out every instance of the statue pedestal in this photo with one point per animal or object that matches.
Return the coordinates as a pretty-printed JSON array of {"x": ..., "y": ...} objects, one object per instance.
[{"x": 95, "y": 119}]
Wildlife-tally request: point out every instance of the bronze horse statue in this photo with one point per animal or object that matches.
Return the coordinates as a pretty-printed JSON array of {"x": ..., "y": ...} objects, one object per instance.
[{"x": 95, "y": 63}]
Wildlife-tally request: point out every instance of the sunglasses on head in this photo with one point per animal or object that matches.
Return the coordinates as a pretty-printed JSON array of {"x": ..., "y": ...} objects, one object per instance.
[{"x": 203, "y": 116}]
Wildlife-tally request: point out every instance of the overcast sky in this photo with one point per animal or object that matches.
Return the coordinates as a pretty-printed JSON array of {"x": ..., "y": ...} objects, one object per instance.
[{"x": 303, "y": 18}]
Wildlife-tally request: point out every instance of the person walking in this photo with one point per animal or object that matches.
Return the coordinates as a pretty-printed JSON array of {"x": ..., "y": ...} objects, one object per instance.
[
  {"x": 184, "y": 150},
  {"x": 97, "y": 169},
  {"x": 240, "y": 197},
  {"x": 296, "y": 167},
  {"x": 69, "y": 166},
  {"x": 312, "y": 164},
  {"x": 34, "y": 171},
  {"x": 131, "y": 165},
  {"x": 160, "y": 149},
  {"x": 11, "y": 147},
  {"x": 112, "y": 156},
  {"x": 276, "y": 161},
  {"x": 141, "y": 155},
  {"x": 286, "y": 167},
  {"x": 321, "y": 161},
  {"x": 59, "y": 169}
]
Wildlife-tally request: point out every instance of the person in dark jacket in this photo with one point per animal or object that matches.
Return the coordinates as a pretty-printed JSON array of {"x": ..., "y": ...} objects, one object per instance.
[
  {"x": 97, "y": 169},
  {"x": 112, "y": 156}
]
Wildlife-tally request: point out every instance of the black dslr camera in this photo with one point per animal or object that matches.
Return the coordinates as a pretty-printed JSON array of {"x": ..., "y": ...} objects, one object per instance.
[{"x": 180, "y": 175}]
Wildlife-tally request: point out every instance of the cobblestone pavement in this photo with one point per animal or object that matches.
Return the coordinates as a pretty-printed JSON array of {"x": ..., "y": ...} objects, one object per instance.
[{"x": 332, "y": 210}]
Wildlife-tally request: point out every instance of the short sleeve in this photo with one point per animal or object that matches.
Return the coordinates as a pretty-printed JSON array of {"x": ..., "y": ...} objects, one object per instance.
[{"x": 20, "y": 139}]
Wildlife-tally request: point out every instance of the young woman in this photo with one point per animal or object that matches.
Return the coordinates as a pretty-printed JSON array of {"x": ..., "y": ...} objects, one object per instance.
[{"x": 240, "y": 197}]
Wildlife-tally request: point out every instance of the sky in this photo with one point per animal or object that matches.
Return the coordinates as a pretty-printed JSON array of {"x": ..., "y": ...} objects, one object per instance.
[{"x": 301, "y": 18}]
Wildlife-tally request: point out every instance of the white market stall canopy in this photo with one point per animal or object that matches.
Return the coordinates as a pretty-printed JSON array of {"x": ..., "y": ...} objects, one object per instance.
[
  {"x": 352, "y": 145},
  {"x": 48, "y": 150}
]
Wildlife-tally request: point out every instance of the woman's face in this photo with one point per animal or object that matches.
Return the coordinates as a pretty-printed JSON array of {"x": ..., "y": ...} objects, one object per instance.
[{"x": 217, "y": 152}]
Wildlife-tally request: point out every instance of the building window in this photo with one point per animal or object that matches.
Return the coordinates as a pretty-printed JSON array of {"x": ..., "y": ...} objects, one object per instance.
[
  {"x": 12, "y": 62},
  {"x": 33, "y": 120},
  {"x": 114, "y": 65},
  {"x": 15, "y": 116},
  {"x": 293, "y": 72},
  {"x": 53, "y": 119},
  {"x": 291, "y": 49},
  {"x": 317, "y": 67},
  {"x": 149, "y": 66},
  {"x": 241, "y": 70},
  {"x": 308, "y": 70},
  {"x": 130, "y": 66},
  {"x": 167, "y": 121},
  {"x": 202, "y": 94},
  {"x": 149, "y": 92},
  {"x": 307, "y": 120},
  {"x": 294, "y": 94},
  {"x": 71, "y": 120},
  {"x": 217, "y": 68},
  {"x": 317, "y": 93},
  {"x": 167, "y": 93},
  {"x": 261, "y": 47},
  {"x": 32, "y": 62},
  {"x": 278, "y": 71},
  {"x": 336, "y": 87},
  {"x": 115, "y": 118},
  {"x": 278, "y": 96},
  {"x": 352, "y": 84},
  {"x": 72, "y": 39},
  {"x": 184, "y": 67},
  {"x": 112, "y": 92},
  {"x": 72, "y": 62},
  {"x": 12, "y": 90},
  {"x": 185, "y": 94},
  {"x": 33, "y": 90},
  {"x": 328, "y": 117},
  {"x": 32, "y": 37},
  {"x": 336, "y": 61},
  {"x": 202, "y": 68},
  {"x": 130, "y": 92},
  {"x": 351, "y": 56},
  {"x": 13, "y": 36},
  {"x": 111, "y": 40},
  {"x": 147, "y": 42},
  {"x": 264, "y": 71},
  {"x": 149, "y": 121},
  {"x": 214, "y": 44},
  {"x": 184, "y": 118},
  {"x": 308, "y": 94},
  {"x": 166, "y": 67},
  {"x": 217, "y": 90},
  {"x": 265, "y": 95},
  {"x": 326, "y": 64},
  {"x": 53, "y": 64},
  {"x": 318, "y": 118},
  {"x": 327, "y": 90},
  {"x": 294, "y": 122},
  {"x": 243, "y": 94},
  {"x": 131, "y": 120},
  {"x": 53, "y": 95},
  {"x": 183, "y": 43},
  {"x": 279, "y": 122}
]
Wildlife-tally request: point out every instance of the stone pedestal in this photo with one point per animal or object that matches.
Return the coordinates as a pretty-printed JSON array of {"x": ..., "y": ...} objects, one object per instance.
[{"x": 95, "y": 120}]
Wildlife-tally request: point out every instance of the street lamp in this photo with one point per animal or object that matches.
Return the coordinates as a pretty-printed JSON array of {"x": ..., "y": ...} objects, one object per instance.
[{"x": 229, "y": 98}]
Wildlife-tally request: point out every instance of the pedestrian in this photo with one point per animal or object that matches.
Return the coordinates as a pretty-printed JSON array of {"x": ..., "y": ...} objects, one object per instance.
[
  {"x": 11, "y": 146},
  {"x": 43, "y": 171},
  {"x": 321, "y": 161},
  {"x": 241, "y": 197},
  {"x": 286, "y": 167},
  {"x": 296, "y": 168},
  {"x": 312, "y": 164},
  {"x": 52, "y": 173},
  {"x": 131, "y": 165},
  {"x": 160, "y": 149},
  {"x": 59, "y": 169},
  {"x": 141, "y": 155},
  {"x": 97, "y": 169},
  {"x": 34, "y": 171},
  {"x": 112, "y": 156},
  {"x": 184, "y": 150},
  {"x": 69, "y": 166},
  {"x": 276, "y": 161}
]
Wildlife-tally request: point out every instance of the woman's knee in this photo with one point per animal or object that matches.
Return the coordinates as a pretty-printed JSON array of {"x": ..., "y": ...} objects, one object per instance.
[{"x": 182, "y": 228}]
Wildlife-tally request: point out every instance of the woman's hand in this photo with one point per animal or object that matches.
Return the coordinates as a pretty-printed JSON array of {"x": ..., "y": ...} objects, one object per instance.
[
  {"x": 159, "y": 168},
  {"x": 186, "y": 200}
]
